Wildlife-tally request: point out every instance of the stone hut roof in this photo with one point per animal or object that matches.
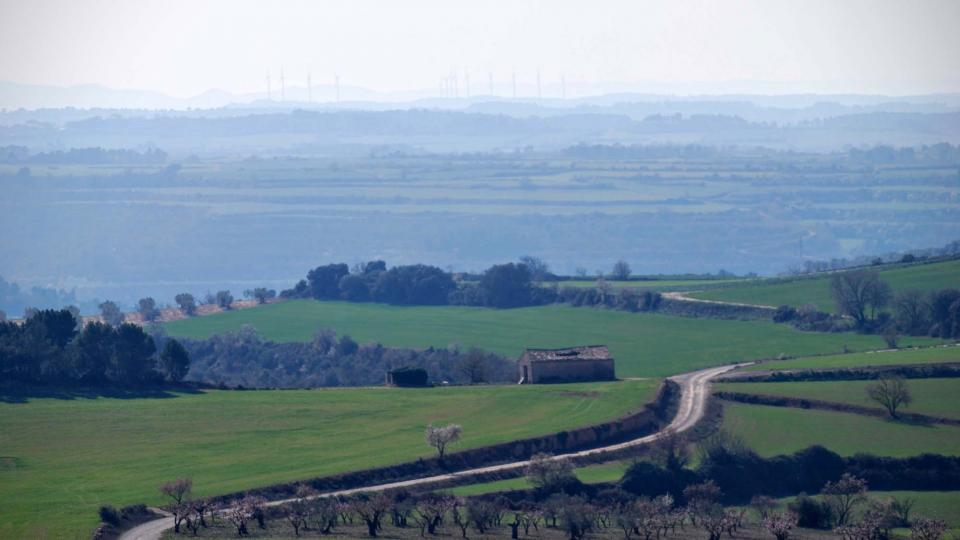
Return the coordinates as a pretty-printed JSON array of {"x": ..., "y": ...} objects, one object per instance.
[{"x": 586, "y": 352}]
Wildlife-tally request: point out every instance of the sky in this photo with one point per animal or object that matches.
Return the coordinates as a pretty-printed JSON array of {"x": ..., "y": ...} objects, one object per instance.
[{"x": 183, "y": 48}]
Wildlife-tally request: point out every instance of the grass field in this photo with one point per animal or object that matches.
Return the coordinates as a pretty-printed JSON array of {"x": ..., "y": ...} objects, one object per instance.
[
  {"x": 61, "y": 459},
  {"x": 779, "y": 430},
  {"x": 943, "y": 505},
  {"x": 590, "y": 474},
  {"x": 816, "y": 290},
  {"x": 930, "y": 355},
  {"x": 938, "y": 397},
  {"x": 643, "y": 344}
]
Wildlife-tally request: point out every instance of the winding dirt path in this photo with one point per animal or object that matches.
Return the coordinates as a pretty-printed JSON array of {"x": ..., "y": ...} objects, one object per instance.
[{"x": 695, "y": 389}]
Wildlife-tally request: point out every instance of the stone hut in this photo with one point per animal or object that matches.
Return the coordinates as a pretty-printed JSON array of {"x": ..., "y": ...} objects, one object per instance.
[{"x": 574, "y": 364}]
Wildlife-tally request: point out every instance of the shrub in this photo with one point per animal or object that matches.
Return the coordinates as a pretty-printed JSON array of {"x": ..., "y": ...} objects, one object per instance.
[{"x": 109, "y": 514}]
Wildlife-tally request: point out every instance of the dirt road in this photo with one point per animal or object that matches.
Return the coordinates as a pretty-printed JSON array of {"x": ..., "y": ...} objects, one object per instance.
[{"x": 695, "y": 388}]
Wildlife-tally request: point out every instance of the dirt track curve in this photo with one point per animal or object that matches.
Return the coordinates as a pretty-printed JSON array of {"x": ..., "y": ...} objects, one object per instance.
[{"x": 694, "y": 392}]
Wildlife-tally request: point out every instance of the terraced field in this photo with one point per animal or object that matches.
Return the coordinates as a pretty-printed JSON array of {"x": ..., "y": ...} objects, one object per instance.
[
  {"x": 937, "y": 397},
  {"x": 931, "y": 355},
  {"x": 816, "y": 290},
  {"x": 779, "y": 430},
  {"x": 644, "y": 345},
  {"x": 63, "y": 458}
]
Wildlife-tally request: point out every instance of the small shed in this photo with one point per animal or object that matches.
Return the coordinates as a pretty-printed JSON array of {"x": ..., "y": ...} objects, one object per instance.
[
  {"x": 408, "y": 377},
  {"x": 572, "y": 364}
]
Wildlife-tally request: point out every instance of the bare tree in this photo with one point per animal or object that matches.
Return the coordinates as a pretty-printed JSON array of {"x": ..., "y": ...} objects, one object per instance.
[
  {"x": 178, "y": 491},
  {"x": 371, "y": 509},
  {"x": 844, "y": 495},
  {"x": 890, "y": 392},
  {"x": 297, "y": 511},
  {"x": 672, "y": 450},
  {"x": 779, "y": 524},
  {"x": 441, "y": 437},
  {"x": 912, "y": 312},
  {"x": 544, "y": 471},
  {"x": 537, "y": 266},
  {"x": 474, "y": 366},
  {"x": 621, "y": 270},
  {"x": 764, "y": 505},
  {"x": 927, "y": 529},
  {"x": 860, "y": 294}
]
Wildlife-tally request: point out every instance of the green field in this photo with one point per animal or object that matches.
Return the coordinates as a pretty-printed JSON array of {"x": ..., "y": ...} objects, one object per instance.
[
  {"x": 780, "y": 430},
  {"x": 937, "y": 397},
  {"x": 943, "y": 505},
  {"x": 816, "y": 290},
  {"x": 61, "y": 459},
  {"x": 667, "y": 284},
  {"x": 929, "y": 355},
  {"x": 589, "y": 474},
  {"x": 643, "y": 344}
]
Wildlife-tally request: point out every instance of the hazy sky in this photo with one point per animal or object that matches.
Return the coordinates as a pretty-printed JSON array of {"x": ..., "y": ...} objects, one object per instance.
[{"x": 186, "y": 47}]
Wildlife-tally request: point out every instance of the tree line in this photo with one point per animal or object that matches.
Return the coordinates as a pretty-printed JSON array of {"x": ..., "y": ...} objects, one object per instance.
[
  {"x": 54, "y": 347},
  {"x": 245, "y": 359},
  {"x": 868, "y": 304},
  {"x": 658, "y": 497}
]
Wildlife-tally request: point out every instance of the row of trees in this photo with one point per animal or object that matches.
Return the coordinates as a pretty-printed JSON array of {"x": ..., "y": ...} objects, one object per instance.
[
  {"x": 149, "y": 310},
  {"x": 53, "y": 347},
  {"x": 502, "y": 285},
  {"x": 869, "y": 305},
  {"x": 576, "y": 516},
  {"x": 243, "y": 358}
]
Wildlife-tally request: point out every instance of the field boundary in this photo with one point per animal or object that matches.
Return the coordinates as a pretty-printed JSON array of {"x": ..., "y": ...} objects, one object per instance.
[
  {"x": 653, "y": 417},
  {"x": 907, "y": 371},
  {"x": 801, "y": 403}
]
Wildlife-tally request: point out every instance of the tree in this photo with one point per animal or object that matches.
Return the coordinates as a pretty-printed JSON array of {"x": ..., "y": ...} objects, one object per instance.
[
  {"x": 261, "y": 294},
  {"x": 780, "y": 524},
  {"x": 132, "y": 359},
  {"x": 147, "y": 308},
  {"x": 473, "y": 366},
  {"x": 111, "y": 314},
  {"x": 621, "y": 270},
  {"x": 539, "y": 269},
  {"x": 671, "y": 450},
  {"x": 945, "y": 313},
  {"x": 224, "y": 300},
  {"x": 187, "y": 303},
  {"x": 927, "y": 529},
  {"x": 324, "y": 281},
  {"x": 506, "y": 285},
  {"x": 178, "y": 491},
  {"x": 174, "y": 361},
  {"x": 441, "y": 437},
  {"x": 545, "y": 472},
  {"x": 912, "y": 312},
  {"x": 297, "y": 511},
  {"x": 860, "y": 294},
  {"x": 891, "y": 393},
  {"x": 371, "y": 509},
  {"x": 843, "y": 496},
  {"x": 764, "y": 505}
]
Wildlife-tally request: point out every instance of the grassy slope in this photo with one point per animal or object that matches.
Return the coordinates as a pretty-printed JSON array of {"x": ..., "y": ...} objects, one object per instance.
[
  {"x": 817, "y": 290},
  {"x": 73, "y": 455},
  {"x": 777, "y": 430},
  {"x": 931, "y": 355},
  {"x": 643, "y": 344},
  {"x": 590, "y": 474},
  {"x": 938, "y": 397},
  {"x": 943, "y": 505}
]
